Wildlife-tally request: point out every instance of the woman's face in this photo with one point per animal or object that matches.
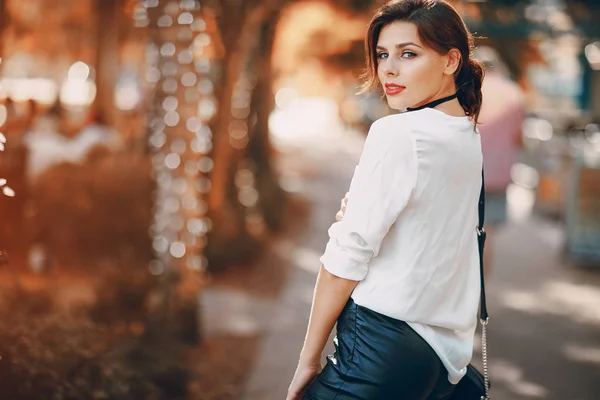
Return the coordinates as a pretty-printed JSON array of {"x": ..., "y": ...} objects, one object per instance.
[{"x": 412, "y": 74}]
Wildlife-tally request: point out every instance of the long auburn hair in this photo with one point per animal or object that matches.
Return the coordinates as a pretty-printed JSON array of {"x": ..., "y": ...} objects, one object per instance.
[{"x": 441, "y": 28}]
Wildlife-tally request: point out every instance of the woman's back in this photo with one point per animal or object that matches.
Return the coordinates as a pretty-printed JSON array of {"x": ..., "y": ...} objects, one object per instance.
[{"x": 425, "y": 271}]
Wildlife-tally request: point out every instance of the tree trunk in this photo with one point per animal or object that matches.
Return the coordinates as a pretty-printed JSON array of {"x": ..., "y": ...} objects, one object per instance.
[
  {"x": 3, "y": 257},
  {"x": 3, "y": 24},
  {"x": 109, "y": 19},
  {"x": 231, "y": 240},
  {"x": 272, "y": 197},
  {"x": 238, "y": 45},
  {"x": 180, "y": 225}
]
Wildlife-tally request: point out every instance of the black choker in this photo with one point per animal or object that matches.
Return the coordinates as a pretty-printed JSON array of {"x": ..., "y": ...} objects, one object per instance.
[{"x": 434, "y": 103}]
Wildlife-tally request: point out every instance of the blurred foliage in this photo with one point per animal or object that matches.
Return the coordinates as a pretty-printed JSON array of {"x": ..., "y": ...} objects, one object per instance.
[
  {"x": 51, "y": 353},
  {"x": 582, "y": 12},
  {"x": 356, "y": 6},
  {"x": 123, "y": 293},
  {"x": 102, "y": 208},
  {"x": 90, "y": 329},
  {"x": 513, "y": 3}
]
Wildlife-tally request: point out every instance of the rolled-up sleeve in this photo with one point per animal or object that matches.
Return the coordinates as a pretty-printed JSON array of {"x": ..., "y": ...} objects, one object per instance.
[{"x": 380, "y": 189}]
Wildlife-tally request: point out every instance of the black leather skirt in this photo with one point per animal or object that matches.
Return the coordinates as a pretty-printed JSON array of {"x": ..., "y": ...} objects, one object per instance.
[{"x": 379, "y": 358}]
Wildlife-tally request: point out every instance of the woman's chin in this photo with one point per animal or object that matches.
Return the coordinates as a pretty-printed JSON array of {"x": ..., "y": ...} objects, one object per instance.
[{"x": 396, "y": 104}]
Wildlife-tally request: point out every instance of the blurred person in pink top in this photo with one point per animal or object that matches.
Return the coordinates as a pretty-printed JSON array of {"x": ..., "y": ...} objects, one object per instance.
[{"x": 502, "y": 115}]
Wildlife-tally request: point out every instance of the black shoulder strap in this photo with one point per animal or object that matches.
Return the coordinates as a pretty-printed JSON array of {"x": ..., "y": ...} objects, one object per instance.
[
  {"x": 481, "y": 235},
  {"x": 483, "y": 314}
]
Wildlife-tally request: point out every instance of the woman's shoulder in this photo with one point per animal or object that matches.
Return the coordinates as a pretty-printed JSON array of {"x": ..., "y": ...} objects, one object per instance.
[
  {"x": 393, "y": 122},
  {"x": 421, "y": 124},
  {"x": 391, "y": 129},
  {"x": 391, "y": 135}
]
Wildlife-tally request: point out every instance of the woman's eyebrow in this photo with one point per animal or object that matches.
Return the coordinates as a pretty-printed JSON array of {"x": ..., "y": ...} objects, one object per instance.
[{"x": 401, "y": 45}]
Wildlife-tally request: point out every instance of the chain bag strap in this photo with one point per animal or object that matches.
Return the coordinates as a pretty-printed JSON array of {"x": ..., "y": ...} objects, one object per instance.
[
  {"x": 481, "y": 236},
  {"x": 483, "y": 314}
]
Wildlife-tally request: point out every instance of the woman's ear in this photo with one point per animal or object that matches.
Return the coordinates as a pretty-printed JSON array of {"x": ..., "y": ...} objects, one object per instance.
[{"x": 453, "y": 61}]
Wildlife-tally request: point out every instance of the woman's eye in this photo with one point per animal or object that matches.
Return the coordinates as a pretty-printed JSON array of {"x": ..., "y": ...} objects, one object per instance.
[
  {"x": 382, "y": 56},
  {"x": 408, "y": 54}
]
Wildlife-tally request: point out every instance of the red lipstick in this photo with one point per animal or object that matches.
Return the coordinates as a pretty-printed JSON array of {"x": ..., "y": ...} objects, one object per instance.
[{"x": 393, "y": 89}]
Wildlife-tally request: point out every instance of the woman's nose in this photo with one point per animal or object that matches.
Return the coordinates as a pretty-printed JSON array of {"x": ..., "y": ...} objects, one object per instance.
[{"x": 390, "y": 69}]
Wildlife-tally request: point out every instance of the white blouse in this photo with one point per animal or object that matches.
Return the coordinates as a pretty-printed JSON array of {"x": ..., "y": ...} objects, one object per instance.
[{"x": 409, "y": 230}]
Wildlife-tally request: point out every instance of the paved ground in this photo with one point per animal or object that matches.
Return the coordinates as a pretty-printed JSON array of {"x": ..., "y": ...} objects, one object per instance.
[{"x": 545, "y": 314}]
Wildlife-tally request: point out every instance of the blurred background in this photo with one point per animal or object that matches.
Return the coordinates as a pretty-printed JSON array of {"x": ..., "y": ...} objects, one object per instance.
[{"x": 170, "y": 168}]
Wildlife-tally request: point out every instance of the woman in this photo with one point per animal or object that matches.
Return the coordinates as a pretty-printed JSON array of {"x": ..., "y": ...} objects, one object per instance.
[{"x": 400, "y": 272}]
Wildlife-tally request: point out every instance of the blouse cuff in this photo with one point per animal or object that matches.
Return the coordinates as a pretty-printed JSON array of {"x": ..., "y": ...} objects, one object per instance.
[{"x": 341, "y": 263}]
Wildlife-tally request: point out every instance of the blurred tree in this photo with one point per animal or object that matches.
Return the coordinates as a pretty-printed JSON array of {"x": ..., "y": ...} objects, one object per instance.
[
  {"x": 356, "y": 6},
  {"x": 259, "y": 147},
  {"x": 2, "y": 25},
  {"x": 245, "y": 72},
  {"x": 507, "y": 28},
  {"x": 2, "y": 21},
  {"x": 585, "y": 14},
  {"x": 180, "y": 146},
  {"x": 247, "y": 30},
  {"x": 109, "y": 24}
]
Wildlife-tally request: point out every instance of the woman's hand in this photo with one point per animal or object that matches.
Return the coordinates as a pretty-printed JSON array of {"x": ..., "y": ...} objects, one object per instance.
[
  {"x": 340, "y": 214},
  {"x": 305, "y": 374}
]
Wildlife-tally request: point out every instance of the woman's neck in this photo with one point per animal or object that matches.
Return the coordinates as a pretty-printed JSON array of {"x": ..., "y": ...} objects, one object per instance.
[{"x": 452, "y": 108}]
